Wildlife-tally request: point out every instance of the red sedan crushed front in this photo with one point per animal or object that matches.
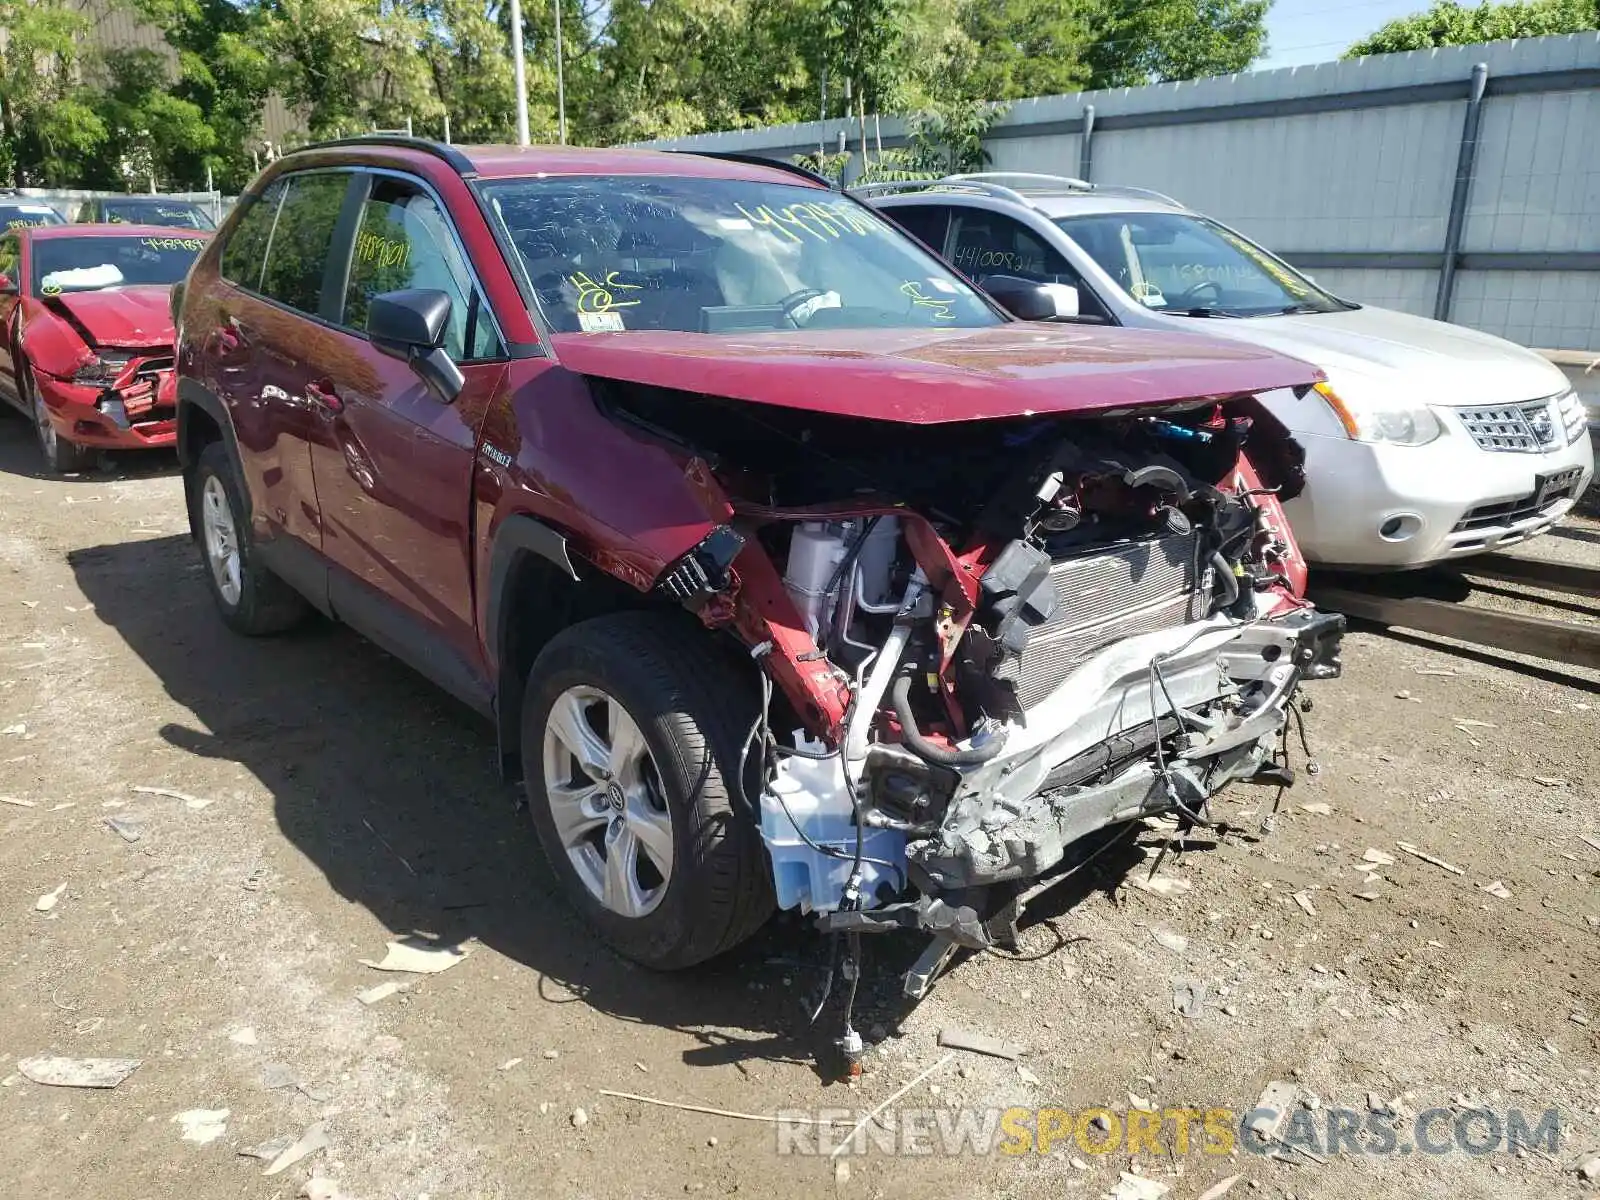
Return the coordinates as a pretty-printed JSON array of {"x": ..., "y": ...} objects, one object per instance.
[{"x": 97, "y": 333}]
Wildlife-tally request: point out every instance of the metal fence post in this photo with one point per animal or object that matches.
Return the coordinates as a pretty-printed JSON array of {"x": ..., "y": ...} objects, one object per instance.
[
  {"x": 1461, "y": 193},
  {"x": 1086, "y": 146}
]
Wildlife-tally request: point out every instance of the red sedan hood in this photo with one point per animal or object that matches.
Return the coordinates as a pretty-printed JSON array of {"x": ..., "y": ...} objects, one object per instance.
[
  {"x": 926, "y": 377},
  {"x": 130, "y": 316}
]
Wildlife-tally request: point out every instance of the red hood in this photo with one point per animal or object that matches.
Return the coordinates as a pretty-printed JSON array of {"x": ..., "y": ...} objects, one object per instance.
[
  {"x": 129, "y": 316},
  {"x": 925, "y": 376}
]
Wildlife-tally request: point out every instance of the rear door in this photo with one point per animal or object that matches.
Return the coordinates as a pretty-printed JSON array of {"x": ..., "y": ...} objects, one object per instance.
[
  {"x": 10, "y": 310},
  {"x": 394, "y": 476},
  {"x": 263, "y": 353}
]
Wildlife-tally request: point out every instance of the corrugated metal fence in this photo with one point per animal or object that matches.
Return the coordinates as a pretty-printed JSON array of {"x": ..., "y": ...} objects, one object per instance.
[{"x": 1417, "y": 181}]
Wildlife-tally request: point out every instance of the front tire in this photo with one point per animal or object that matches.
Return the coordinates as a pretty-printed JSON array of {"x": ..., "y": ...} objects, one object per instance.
[
  {"x": 251, "y": 599},
  {"x": 61, "y": 457},
  {"x": 632, "y": 730}
]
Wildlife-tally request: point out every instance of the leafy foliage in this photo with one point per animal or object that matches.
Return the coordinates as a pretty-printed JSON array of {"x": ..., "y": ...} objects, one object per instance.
[
  {"x": 1450, "y": 24},
  {"x": 72, "y": 112}
]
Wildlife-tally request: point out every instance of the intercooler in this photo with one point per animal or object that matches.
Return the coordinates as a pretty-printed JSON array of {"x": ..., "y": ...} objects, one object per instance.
[{"x": 1102, "y": 596}]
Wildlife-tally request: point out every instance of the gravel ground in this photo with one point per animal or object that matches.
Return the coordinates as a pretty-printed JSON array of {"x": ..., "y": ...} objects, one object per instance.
[{"x": 330, "y": 802}]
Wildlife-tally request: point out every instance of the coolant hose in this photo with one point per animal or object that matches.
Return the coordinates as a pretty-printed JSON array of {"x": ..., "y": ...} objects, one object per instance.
[
  {"x": 1229, "y": 581},
  {"x": 900, "y": 695},
  {"x": 870, "y": 695}
]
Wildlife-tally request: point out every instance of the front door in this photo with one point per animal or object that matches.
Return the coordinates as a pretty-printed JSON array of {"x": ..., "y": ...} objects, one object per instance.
[{"x": 394, "y": 476}]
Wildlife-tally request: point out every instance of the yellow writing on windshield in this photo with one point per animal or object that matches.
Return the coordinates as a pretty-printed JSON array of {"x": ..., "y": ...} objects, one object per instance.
[
  {"x": 381, "y": 251},
  {"x": 174, "y": 243},
  {"x": 822, "y": 221},
  {"x": 940, "y": 310},
  {"x": 601, "y": 297},
  {"x": 1284, "y": 278},
  {"x": 24, "y": 223}
]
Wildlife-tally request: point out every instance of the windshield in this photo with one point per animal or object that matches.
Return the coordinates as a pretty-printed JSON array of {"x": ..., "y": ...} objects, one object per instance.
[
  {"x": 155, "y": 212},
  {"x": 722, "y": 256},
  {"x": 1185, "y": 264},
  {"x": 23, "y": 216},
  {"x": 90, "y": 263}
]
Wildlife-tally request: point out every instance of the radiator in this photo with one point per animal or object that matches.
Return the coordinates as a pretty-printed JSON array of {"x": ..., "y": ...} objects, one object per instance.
[{"x": 1105, "y": 595}]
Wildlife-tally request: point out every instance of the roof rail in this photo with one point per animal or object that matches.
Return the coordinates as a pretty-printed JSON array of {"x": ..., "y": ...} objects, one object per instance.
[
  {"x": 1117, "y": 189},
  {"x": 756, "y": 160},
  {"x": 950, "y": 183},
  {"x": 399, "y": 141},
  {"x": 1022, "y": 179}
]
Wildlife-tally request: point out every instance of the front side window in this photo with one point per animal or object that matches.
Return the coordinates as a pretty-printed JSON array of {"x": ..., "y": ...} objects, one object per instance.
[
  {"x": 302, "y": 240},
  {"x": 1176, "y": 262},
  {"x": 93, "y": 263},
  {"x": 404, "y": 241},
  {"x": 10, "y": 259},
  {"x": 156, "y": 212},
  {"x": 722, "y": 256},
  {"x": 246, "y": 248}
]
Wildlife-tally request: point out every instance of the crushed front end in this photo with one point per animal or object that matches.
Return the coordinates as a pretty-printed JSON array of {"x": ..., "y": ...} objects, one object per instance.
[
  {"x": 115, "y": 399},
  {"x": 982, "y": 642}
]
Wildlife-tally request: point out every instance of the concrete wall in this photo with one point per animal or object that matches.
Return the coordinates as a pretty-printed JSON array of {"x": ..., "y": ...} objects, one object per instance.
[{"x": 1349, "y": 169}]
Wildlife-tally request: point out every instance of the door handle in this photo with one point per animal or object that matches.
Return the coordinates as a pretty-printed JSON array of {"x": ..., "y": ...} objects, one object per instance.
[{"x": 324, "y": 396}]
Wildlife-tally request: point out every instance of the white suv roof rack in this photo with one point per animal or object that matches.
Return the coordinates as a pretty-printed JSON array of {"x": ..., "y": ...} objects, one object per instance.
[{"x": 1012, "y": 186}]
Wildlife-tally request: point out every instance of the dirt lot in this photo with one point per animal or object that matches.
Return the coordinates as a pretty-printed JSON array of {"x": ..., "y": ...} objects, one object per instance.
[{"x": 349, "y": 803}]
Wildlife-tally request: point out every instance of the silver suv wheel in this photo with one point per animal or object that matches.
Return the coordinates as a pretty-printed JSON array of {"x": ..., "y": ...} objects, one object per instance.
[{"x": 607, "y": 802}]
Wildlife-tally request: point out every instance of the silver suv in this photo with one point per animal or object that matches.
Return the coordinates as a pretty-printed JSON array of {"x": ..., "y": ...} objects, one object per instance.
[{"x": 1427, "y": 442}]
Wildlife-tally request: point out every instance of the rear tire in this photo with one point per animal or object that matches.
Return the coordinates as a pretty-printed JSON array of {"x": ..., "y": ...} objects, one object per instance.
[
  {"x": 251, "y": 599},
  {"x": 651, "y": 842},
  {"x": 61, "y": 457}
]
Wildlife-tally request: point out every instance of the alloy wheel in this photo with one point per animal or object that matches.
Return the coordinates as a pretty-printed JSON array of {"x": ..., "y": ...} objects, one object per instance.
[
  {"x": 221, "y": 540},
  {"x": 607, "y": 801}
]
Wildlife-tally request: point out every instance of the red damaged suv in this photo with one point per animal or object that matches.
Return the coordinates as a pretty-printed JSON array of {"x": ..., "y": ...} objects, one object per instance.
[
  {"x": 86, "y": 334},
  {"x": 789, "y": 567}
]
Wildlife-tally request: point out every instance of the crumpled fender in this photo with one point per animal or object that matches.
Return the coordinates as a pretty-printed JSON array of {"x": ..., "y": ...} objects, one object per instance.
[{"x": 50, "y": 345}]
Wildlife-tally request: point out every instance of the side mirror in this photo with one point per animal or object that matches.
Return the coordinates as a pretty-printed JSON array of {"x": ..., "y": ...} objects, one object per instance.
[
  {"x": 411, "y": 324},
  {"x": 1065, "y": 297},
  {"x": 8, "y": 286},
  {"x": 1030, "y": 301}
]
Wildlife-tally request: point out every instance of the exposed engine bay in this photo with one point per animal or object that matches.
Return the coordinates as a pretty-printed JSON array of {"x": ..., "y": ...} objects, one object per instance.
[{"x": 983, "y": 641}]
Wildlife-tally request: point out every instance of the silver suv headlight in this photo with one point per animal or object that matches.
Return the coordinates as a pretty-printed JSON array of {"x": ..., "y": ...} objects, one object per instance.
[
  {"x": 1570, "y": 413},
  {"x": 1400, "y": 424}
]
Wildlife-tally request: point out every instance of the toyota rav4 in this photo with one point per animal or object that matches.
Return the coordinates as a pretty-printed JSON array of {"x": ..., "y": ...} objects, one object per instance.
[{"x": 788, "y": 566}]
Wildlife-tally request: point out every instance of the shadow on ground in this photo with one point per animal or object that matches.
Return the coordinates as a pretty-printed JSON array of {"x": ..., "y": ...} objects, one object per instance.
[{"x": 20, "y": 455}]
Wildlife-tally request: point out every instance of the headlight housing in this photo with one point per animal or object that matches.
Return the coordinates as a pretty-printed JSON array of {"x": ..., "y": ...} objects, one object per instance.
[
  {"x": 1398, "y": 424},
  {"x": 101, "y": 371},
  {"x": 1570, "y": 413}
]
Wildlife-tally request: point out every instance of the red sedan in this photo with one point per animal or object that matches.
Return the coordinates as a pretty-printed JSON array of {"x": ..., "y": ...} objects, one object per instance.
[{"x": 86, "y": 334}]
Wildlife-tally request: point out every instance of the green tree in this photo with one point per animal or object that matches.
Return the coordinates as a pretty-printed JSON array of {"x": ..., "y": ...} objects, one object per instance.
[
  {"x": 223, "y": 70},
  {"x": 468, "y": 56},
  {"x": 46, "y": 127},
  {"x": 1018, "y": 48},
  {"x": 1136, "y": 42},
  {"x": 153, "y": 137},
  {"x": 1451, "y": 24},
  {"x": 349, "y": 64}
]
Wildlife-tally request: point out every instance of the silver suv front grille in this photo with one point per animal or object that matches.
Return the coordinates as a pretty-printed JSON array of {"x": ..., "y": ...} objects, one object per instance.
[{"x": 1522, "y": 428}]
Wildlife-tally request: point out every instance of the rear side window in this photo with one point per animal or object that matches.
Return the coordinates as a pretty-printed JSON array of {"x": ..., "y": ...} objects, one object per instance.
[
  {"x": 298, "y": 247},
  {"x": 405, "y": 241},
  {"x": 246, "y": 248},
  {"x": 988, "y": 243}
]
